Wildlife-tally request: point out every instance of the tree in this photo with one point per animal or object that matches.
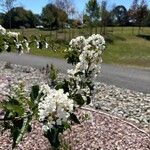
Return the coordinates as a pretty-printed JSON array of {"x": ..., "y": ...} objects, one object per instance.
[
  {"x": 93, "y": 11},
  {"x": 53, "y": 17},
  {"x": 7, "y": 5},
  {"x": 138, "y": 12},
  {"x": 76, "y": 23},
  {"x": 104, "y": 15},
  {"x": 37, "y": 19},
  {"x": 132, "y": 12},
  {"x": 146, "y": 21},
  {"x": 2, "y": 18},
  {"x": 142, "y": 12},
  {"x": 20, "y": 17},
  {"x": 86, "y": 19},
  {"x": 65, "y": 5},
  {"x": 120, "y": 15}
]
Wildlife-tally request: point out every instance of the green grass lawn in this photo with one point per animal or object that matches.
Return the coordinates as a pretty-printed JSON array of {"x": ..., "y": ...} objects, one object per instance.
[
  {"x": 132, "y": 51},
  {"x": 48, "y": 53},
  {"x": 125, "y": 47}
]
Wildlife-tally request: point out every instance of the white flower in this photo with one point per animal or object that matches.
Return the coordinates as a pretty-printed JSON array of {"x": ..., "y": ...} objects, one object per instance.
[
  {"x": 96, "y": 41},
  {"x": 13, "y": 34},
  {"x": 26, "y": 45},
  {"x": 46, "y": 45},
  {"x": 45, "y": 128},
  {"x": 37, "y": 44},
  {"x": 54, "y": 105},
  {"x": 19, "y": 46},
  {"x": 45, "y": 89},
  {"x": 2, "y": 30},
  {"x": 77, "y": 43},
  {"x": 59, "y": 122},
  {"x": 6, "y": 46},
  {"x": 88, "y": 116}
]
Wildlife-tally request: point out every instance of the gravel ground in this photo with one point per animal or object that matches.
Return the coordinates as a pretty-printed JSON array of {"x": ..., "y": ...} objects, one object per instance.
[
  {"x": 124, "y": 103},
  {"x": 10, "y": 75},
  {"x": 106, "y": 132}
]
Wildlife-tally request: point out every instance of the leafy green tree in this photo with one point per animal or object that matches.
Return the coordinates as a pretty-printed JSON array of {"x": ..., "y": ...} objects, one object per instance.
[
  {"x": 93, "y": 11},
  {"x": 20, "y": 17},
  {"x": 53, "y": 17},
  {"x": 104, "y": 14},
  {"x": 146, "y": 21},
  {"x": 7, "y": 5},
  {"x": 2, "y": 18},
  {"x": 86, "y": 19}
]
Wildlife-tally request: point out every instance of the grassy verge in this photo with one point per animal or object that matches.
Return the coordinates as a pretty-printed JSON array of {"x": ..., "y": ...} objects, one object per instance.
[
  {"x": 48, "y": 53},
  {"x": 132, "y": 51}
]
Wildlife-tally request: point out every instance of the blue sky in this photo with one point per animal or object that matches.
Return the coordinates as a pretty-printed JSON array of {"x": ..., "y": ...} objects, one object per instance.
[{"x": 36, "y": 5}]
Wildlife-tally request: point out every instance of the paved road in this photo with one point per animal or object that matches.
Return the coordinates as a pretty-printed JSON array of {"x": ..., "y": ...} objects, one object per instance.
[{"x": 134, "y": 79}]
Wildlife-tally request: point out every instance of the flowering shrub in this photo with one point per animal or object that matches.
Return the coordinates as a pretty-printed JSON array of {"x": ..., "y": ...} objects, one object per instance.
[
  {"x": 15, "y": 39},
  {"x": 54, "y": 110},
  {"x": 55, "y": 104},
  {"x": 19, "y": 111},
  {"x": 13, "y": 34},
  {"x": 87, "y": 65}
]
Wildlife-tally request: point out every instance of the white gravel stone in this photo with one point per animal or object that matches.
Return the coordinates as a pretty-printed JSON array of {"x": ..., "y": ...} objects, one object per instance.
[{"x": 131, "y": 105}]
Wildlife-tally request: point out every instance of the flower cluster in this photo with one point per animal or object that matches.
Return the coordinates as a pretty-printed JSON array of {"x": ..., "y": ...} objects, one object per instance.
[
  {"x": 13, "y": 34},
  {"x": 37, "y": 44},
  {"x": 20, "y": 45},
  {"x": 7, "y": 40},
  {"x": 41, "y": 43},
  {"x": 26, "y": 45},
  {"x": 89, "y": 63},
  {"x": 96, "y": 41},
  {"x": 90, "y": 56},
  {"x": 54, "y": 107},
  {"x": 6, "y": 46},
  {"x": 2, "y": 30},
  {"x": 77, "y": 43}
]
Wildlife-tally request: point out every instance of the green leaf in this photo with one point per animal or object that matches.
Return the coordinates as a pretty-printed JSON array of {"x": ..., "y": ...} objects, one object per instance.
[
  {"x": 63, "y": 85},
  {"x": 1, "y": 105},
  {"x": 14, "y": 108},
  {"x": 34, "y": 92},
  {"x": 74, "y": 118},
  {"x": 88, "y": 100},
  {"x": 78, "y": 99},
  {"x": 53, "y": 73},
  {"x": 53, "y": 137},
  {"x": 33, "y": 105},
  {"x": 72, "y": 57},
  {"x": 66, "y": 125}
]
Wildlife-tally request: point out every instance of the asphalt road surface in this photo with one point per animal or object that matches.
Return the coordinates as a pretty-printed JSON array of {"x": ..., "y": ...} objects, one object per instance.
[{"x": 124, "y": 77}]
